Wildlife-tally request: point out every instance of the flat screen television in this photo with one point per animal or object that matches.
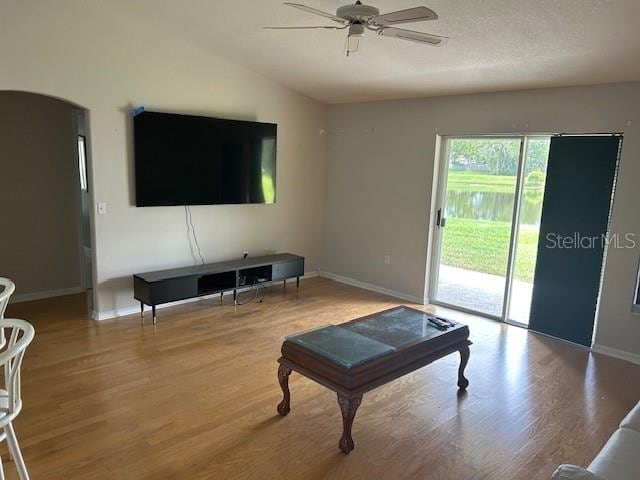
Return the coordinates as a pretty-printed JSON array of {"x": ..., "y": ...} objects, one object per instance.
[{"x": 192, "y": 160}]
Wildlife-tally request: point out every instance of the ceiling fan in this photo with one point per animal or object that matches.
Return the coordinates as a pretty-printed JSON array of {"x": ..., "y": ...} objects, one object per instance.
[{"x": 358, "y": 18}]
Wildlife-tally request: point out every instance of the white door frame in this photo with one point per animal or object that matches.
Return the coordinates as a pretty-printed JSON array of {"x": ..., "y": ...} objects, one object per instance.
[{"x": 513, "y": 239}]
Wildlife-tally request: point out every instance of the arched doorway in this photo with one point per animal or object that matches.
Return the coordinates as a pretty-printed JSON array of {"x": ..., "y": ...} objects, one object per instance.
[{"x": 45, "y": 190}]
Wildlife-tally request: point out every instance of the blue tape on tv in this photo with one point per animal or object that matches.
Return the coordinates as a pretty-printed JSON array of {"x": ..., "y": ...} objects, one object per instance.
[{"x": 137, "y": 111}]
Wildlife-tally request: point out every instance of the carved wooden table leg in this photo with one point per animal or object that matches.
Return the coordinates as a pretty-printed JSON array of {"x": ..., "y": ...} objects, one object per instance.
[
  {"x": 283, "y": 377},
  {"x": 349, "y": 406},
  {"x": 463, "y": 383}
]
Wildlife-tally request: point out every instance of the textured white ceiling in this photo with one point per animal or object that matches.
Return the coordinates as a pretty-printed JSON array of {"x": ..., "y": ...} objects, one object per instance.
[{"x": 494, "y": 45}]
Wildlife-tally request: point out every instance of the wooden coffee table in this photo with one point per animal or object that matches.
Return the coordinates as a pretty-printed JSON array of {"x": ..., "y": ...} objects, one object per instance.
[{"x": 355, "y": 357}]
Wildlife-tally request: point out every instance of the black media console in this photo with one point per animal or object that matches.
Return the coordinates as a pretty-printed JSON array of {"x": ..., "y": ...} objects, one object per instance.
[{"x": 155, "y": 288}]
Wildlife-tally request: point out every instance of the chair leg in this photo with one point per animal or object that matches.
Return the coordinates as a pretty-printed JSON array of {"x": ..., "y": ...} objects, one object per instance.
[
  {"x": 14, "y": 448},
  {"x": 1, "y": 470}
]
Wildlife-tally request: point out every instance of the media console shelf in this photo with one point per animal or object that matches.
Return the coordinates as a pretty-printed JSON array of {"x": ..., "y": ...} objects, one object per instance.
[{"x": 164, "y": 286}]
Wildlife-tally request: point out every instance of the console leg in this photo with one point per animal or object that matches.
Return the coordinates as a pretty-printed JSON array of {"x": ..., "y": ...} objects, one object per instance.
[
  {"x": 349, "y": 407},
  {"x": 298, "y": 283},
  {"x": 463, "y": 383},
  {"x": 284, "y": 283},
  {"x": 221, "y": 297},
  {"x": 153, "y": 312},
  {"x": 235, "y": 297},
  {"x": 142, "y": 312},
  {"x": 284, "y": 407}
]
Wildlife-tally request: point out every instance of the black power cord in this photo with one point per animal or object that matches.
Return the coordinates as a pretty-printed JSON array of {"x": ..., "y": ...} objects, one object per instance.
[
  {"x": 187, "y": 212},
  {"x": 256, "y": 287}
]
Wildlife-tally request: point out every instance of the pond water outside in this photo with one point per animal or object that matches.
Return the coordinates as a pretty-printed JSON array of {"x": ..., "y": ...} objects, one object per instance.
[{"x": 494, "y": 206}]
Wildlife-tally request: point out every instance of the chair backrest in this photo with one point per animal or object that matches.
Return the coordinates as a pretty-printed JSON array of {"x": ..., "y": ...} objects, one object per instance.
[
  {"x": 9, "y": 288},
  {"x": 5, "y": 294},
  {"x": 20, "y": 335}
]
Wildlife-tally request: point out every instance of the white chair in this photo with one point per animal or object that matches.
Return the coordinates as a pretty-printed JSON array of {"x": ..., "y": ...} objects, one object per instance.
[
  {"x": 9, "y": 288},
  {"x": 20, "y": 335}
]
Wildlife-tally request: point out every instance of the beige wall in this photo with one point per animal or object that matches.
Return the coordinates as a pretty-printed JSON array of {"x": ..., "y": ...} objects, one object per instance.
[
  {"x": 380, "y": 169},
  {"x": 39, "y": 195},
  {"x": 107, "y": 61},
  {"x": 380, "y": 155}
]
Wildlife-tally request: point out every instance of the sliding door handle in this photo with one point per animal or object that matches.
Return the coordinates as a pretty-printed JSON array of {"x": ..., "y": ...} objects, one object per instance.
[{"x": 440, "y": 220}]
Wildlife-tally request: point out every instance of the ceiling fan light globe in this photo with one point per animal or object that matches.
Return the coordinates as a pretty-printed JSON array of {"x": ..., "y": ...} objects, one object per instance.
[{"x": 353, "y": 45}]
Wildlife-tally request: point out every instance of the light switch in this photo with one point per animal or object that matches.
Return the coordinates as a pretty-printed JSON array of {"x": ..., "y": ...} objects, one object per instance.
[{"x": 102, "y": 208}]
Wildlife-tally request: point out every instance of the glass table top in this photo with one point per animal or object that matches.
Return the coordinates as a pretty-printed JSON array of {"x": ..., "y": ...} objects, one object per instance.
[
  {"x": 360, "y": 341},
  {"x": 340, "y": 345},
  {"x": 397, "y": 327}
]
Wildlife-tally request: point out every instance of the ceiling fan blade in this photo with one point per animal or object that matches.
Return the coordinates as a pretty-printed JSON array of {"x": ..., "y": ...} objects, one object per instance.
[
  {"x": 315, "y": 11},
  {"x": 302, "y": 28},
  {"x": 417, "y": 14},
  {"x": 412, "y": 36}
]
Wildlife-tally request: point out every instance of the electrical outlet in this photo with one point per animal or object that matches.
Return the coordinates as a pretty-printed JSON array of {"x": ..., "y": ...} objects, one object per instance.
[
  {"x": 387, "y": 259},
  {"x": 102, "y": 208},
  {"x": 245, "y": 253}
]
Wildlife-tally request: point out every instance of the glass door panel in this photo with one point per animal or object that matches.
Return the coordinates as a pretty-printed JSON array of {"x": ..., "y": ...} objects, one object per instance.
[
  {"x": 526, "y": 245},
  {"x": 475, "y": 223}
]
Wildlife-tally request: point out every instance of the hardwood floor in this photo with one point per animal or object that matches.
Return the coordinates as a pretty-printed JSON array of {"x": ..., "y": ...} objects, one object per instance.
[{"x": 195, "y": 398}]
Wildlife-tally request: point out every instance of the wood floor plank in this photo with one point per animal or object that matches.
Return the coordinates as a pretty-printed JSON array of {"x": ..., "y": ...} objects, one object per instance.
[{"x": 194, "y": 398}]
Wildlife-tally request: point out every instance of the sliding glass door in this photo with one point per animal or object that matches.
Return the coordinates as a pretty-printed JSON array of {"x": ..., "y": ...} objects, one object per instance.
[
  {"x": 488, "y": 218},
  {"x": 527, "y": 232}
]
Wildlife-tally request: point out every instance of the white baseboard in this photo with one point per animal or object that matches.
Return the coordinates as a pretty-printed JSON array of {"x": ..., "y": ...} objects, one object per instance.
[
  {"x": 27, "y": 297},
  {"x": 128, "y": 310},
  {"x": 374, "y": 288},
  {"x": 614, "y": 352}
]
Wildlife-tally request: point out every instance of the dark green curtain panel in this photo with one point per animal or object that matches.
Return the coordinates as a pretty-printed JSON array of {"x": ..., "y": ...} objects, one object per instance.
[{"x": 575, "y": 216}]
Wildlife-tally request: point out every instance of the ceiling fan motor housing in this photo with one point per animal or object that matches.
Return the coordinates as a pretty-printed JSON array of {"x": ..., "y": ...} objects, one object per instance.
[
  {"x": 356, "y": 30},
  {"x": 357, "y": 12}
]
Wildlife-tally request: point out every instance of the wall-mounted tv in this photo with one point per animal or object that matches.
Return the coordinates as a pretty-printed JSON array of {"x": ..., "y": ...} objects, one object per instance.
[{"x": 192, "y": 160}]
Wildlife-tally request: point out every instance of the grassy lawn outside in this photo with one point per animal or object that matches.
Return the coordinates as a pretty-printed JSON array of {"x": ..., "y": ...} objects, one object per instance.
[
  {"x": 480, "y": 182},
  {"x": 484, "y": 182},
  {"x": 483, "y": 246}
]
